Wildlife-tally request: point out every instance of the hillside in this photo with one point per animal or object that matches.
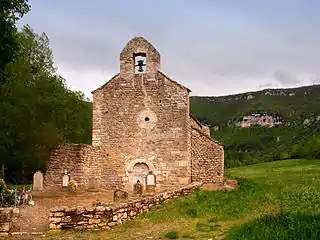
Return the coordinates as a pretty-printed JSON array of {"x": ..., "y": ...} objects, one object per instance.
[{"x": 264, "y": 125}]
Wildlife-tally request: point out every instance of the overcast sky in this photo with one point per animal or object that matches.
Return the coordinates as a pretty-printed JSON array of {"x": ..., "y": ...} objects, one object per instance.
[{"x": 213, "y": 47}]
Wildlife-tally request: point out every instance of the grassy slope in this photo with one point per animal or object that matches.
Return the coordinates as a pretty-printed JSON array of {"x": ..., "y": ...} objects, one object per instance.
[{"x": 282, "y": 186}]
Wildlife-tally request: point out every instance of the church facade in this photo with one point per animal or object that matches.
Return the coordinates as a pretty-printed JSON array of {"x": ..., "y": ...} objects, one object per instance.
[{"x": 141, "y": 126}]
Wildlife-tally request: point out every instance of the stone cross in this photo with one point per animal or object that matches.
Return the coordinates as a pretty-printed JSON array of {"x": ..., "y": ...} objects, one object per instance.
[{"x": 37, "y": 181}]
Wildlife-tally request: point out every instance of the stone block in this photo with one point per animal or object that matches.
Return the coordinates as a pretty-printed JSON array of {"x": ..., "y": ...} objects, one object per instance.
[
  {"x": 52, "y": 226},
  {"x": 59, "y": 214},
  {"x": 94, "y": 221},
  {"x": 90, "y": 209},
  {"x": 57, "y": 209},
  {"x": 5, "y": 226},
  {"x": 111, "y": 224},
  {"x": 70, "y": 209},
  {"x": 100, "y": 208},
  {"x": 80, "y": 210},
  {"x": 54, "y": 219},
  {"x": 66, "y": 219},
  {"x": 82, "y": 222}
]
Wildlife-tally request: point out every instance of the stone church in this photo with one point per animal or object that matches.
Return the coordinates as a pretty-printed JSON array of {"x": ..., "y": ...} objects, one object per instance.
[{"x": 142, "y": 130}]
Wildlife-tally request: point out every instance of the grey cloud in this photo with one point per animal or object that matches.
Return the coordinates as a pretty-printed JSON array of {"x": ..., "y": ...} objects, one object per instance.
[
  {"x": 285, "y": 78},
  {"x": 316, "y": 80},
  {"x": 203, "y": 48},
  {"x": 267, "y": 85}
]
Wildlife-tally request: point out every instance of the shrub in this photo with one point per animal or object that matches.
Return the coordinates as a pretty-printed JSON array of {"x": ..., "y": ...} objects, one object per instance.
[
  {"x": 72, "y": 187},
  {"x": 192, "y": 212},
  {"x": 172, "y": 235}
]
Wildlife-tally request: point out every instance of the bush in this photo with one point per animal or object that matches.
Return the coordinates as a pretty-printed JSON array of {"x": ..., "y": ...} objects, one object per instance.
[
  {"x": 172, "y": 235},
  {"x": 7, "y": 197},
  {"x": 73, "y": 186},
  {"x": 192, "y": 212}
]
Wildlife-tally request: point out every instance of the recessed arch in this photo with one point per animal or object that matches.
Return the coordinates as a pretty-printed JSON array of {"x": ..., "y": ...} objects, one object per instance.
[{"x": 131, "y": 164}]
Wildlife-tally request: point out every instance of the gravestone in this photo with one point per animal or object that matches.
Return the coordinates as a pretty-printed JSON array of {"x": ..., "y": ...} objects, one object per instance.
[
  {"x": 119, "y": 195},
  {"x": 93, "y": 184},
  {"x": 37, "y": 181},
  {"x": 65, "y": 179},
  {"x": 138, "y": 188},
  {"x": 151, "y": 183}
]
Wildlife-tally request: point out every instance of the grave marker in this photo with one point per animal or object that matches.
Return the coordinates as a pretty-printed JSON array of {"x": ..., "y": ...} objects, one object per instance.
[{"x": 37, "y": 181}]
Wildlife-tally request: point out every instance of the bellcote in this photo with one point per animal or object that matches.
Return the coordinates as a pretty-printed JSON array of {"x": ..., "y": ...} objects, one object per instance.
[{"x": 139, "y": 57}]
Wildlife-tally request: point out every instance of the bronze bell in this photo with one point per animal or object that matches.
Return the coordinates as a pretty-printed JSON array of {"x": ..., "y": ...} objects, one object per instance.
[{"x": 140, "y": 65}]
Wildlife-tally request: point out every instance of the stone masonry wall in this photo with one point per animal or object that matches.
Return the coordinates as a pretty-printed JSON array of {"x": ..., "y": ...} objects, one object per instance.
[
  {"x": 90, "y": 166},
  {"x": 144, "y": 118},
  {"x": 197, "y": 125},
  {"x": 105, "y": 217},
  {"x": 6, "y": 215},
  {"x": 207, "y": 156}
]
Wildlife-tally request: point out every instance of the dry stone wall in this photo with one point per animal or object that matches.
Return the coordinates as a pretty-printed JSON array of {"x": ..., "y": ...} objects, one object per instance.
[
  {"x": 207, "y": 158},
  {"x": 6, "y": 215},
  {"x": 107, "y": 216},
  {"x": 90, "y": 166}
]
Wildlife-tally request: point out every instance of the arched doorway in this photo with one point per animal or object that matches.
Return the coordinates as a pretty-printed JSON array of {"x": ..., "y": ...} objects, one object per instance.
[{"x": 140, "y": 172}]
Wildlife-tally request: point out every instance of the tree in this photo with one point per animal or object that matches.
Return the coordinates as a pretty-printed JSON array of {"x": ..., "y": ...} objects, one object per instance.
[
  {"x": 10, "y": 12},
  {"x": 38, "y": 111}
]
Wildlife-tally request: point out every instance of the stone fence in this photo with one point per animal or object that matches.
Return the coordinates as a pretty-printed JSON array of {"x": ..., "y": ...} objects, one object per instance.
[
  {"x": 6, "y": 215},
  {"x": 106, "y": 216}
]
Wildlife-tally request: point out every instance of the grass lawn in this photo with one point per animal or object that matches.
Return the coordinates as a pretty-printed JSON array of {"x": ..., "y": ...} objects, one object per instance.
[{"x": 274, "y": 198}]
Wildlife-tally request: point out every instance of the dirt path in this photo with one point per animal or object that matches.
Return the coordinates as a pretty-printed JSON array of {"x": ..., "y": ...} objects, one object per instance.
[{"x": 36, "y": 218}]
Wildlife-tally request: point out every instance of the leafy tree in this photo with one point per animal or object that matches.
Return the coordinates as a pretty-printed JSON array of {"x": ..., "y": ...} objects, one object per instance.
[
  {"x": 39, "y": 111},
  {"x": 10, "y": 12}
]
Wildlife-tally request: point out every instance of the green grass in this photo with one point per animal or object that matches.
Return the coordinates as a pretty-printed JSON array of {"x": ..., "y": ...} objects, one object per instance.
[
  {"x": 267, "y": 188},
  {"x": 28, "y": 186},
  {"x": 279, "y": 226},
  {"x": 289, "y": 189}
]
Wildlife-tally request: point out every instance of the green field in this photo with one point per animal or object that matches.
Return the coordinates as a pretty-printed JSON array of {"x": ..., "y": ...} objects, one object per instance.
[{"x": 277, "y": 200}]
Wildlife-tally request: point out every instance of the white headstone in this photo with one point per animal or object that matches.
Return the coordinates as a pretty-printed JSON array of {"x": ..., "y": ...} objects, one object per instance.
[
  {"x": 65, "y": 180},
  {"x": 151, "y": 179},
  {"x": 37, "y": 181}
]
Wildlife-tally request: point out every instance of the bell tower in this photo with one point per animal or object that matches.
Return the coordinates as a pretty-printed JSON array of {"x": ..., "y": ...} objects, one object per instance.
[{"x": 139, "y": 57}]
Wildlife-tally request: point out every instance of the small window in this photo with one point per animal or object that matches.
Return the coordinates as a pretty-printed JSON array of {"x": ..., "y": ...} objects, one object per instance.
[{"x": 140, "y": 63}]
